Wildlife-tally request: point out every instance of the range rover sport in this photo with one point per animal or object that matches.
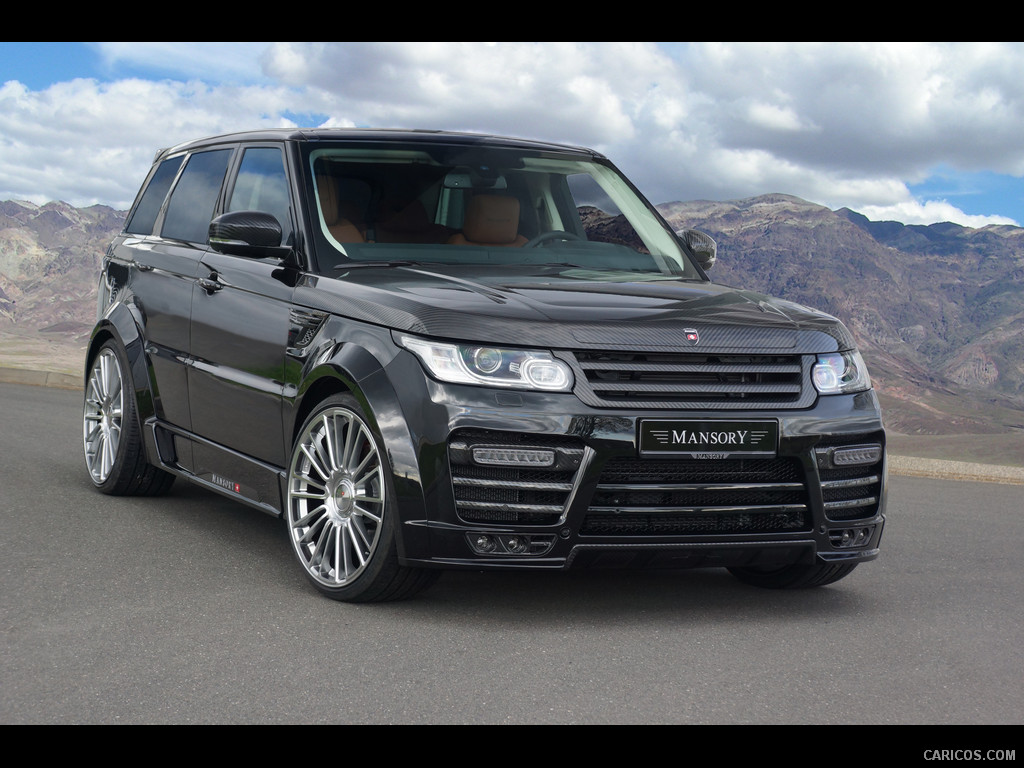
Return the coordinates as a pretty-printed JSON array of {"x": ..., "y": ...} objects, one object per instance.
[{"x": 429, "y": 351}]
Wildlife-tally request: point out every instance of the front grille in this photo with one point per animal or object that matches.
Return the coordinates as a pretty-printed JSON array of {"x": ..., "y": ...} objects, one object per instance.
[
  {"x": 521, "y": 495},
  {"x": 686, "y": 380},
  {"x": 654, "y": 497},
  {"x": 849, "y": 493}
]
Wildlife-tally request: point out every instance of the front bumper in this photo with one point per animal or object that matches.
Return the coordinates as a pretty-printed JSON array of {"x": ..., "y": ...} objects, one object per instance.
[{"x": 501, "y": 479}]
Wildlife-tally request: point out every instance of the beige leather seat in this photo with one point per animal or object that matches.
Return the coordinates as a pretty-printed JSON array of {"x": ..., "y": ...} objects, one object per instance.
[
  {"x": 492, "y": 221},
  {"x": 340, "y": 216}
]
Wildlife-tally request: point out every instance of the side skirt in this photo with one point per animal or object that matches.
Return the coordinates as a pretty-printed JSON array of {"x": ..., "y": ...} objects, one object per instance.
[{"x": 217, "y": 468}]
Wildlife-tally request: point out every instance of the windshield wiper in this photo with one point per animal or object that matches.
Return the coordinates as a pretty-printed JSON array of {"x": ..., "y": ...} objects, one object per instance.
[{"x": 385, "y": 264}]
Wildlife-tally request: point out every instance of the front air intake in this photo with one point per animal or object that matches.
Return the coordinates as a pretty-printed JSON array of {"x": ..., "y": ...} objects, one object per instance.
[{"x": 513, "y": 478}]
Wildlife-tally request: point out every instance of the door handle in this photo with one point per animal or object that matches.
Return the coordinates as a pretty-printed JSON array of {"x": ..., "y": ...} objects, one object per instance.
[{"x": 210, "y": 284}]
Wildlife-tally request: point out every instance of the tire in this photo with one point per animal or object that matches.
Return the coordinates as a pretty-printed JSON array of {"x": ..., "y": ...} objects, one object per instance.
[
  {"x": 112, "y": 437},
  {"x": 340, "y": 510},
  {"x": 794, "y": 576}
]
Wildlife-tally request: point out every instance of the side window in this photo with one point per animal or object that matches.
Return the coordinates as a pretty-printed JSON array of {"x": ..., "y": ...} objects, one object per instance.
[
  {"x": 262, "y": 185},
  {"x": 146, "y": 212},
  {"x": 195, "y": 197}
]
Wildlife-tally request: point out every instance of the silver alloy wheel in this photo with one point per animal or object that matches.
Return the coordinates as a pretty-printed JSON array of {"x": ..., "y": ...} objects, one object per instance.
[
  {"x": 336, "y": 497},
  {"x": 104, "y": 412}
]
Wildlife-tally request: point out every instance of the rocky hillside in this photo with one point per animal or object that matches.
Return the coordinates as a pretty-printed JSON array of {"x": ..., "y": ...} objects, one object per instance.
[
  {"x": 49, "y": 261},
  {"x": 938, "y": 310}
]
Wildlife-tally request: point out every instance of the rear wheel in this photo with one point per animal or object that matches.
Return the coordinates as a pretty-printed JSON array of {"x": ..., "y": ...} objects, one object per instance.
[
  {"x": 794, "y": 576},
  {"x": 112, "y": 436},
  {"x": 341, "y": 511}
]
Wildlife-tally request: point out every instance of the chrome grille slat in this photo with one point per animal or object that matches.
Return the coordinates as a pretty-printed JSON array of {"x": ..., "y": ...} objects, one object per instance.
[
  {"x": 699, "y": 486},
  {"x": 857, "y": 482},
  {"x": 868, "y": 501},
  {"x": 689, "y": 368},
  {"x": 703, "y": 510},
  {"x": 532, "y": 486},
  {"x": 546, "y": 509},
  {"x": 739, "y": 388}
]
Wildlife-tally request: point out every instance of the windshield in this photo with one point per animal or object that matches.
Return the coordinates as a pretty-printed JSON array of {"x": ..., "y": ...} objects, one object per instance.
[{"x": 485, "y": 205}]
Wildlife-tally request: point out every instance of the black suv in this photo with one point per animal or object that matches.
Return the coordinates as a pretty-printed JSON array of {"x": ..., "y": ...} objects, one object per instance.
[{"x": 429, "y": 350}]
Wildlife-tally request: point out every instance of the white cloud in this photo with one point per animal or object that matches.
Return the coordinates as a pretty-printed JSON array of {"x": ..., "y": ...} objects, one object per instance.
[
  {"x": 836, "y": 123},
  {"x": 87, "y": 142},
  {"x": 915, "y": 212}
]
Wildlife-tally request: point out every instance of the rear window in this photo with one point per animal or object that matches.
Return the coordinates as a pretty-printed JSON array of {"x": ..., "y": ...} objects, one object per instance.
[
  {"x": 195, "y": 197},
  {"x": 144, "y": 217}
]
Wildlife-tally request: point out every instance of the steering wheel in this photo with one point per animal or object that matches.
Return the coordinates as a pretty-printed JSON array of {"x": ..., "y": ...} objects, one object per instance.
[{"x": 557, "y": 234}]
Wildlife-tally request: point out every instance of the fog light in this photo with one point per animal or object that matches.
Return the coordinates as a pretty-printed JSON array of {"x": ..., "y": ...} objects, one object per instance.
[
  {"x": 513, "y": 457},
  {"x": 851, "y": 538},
  {"x": 516, "y": 545},
  {"x": 504, "y": 545},
  {"x": 483, "y": 544}
]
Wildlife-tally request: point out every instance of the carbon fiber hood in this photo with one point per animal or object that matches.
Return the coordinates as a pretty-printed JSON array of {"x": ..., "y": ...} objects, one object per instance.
[{"x": 571, "y": 308}]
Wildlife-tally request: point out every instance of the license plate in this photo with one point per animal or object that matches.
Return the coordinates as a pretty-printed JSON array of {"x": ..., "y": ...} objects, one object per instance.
[{"x": 709, "y": 439}]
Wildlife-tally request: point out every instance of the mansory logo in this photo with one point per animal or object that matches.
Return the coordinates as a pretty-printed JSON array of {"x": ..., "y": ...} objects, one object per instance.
[
  {"x": 709, "y": 438},
  {"x": 744, "y": 437}
]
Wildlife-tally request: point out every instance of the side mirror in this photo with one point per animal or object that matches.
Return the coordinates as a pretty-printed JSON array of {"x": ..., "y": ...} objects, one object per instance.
[
  {"x": 253, "y": 234},
  {"x": 702, "y": 246}
]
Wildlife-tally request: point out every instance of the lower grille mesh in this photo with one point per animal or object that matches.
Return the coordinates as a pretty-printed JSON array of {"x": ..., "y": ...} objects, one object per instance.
[{"x": 650, "y": 497}]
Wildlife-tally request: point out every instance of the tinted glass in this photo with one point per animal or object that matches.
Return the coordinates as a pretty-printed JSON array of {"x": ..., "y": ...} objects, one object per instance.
[
  {"x": 195, "y": 197},
  {"x": 149, "y": 206},
  {"x": 262, "y": 185},
  {"x": 481, "y": 205}
]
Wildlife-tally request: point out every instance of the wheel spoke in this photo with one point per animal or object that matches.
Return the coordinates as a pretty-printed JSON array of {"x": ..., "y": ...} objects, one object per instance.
[
  {"x": 317, "y": 559},
  {"x": 362, "y": 465},
  {"x": 307, "y": 495},
  {"x": 314, "y": 463},
  {"x": 314, "y": 531},
  {"x": 359, "y": 552},
  {"x": 357, "y": 525},
  {"x": 352, "y": 438},
  {"x": 329, "y": 440},
  {"x": 367, "y": 513},
  {"x": 307, "y": 519}
]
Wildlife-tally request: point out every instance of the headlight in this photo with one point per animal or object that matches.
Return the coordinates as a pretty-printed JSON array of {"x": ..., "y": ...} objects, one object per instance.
[
  {"x": 490, "y": 366},
  {"x": 840, "y": 373}
]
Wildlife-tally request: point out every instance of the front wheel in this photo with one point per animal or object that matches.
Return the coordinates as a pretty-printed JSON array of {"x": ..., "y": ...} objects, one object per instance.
[
  {"x": 794, "y": 576},
  {"x": 340, "y": 511}
]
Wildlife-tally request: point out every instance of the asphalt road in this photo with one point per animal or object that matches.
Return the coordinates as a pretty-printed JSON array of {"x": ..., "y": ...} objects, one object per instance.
[{"x": 188, "y": 609}]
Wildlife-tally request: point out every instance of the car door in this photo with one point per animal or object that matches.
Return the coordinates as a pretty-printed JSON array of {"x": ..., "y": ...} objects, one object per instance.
[
  {"x": 239, "y": 332},
  {"x": 163, "y": 272}
]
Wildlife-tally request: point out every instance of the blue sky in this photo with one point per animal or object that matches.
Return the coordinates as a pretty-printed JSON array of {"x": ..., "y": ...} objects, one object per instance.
[{"x": 916, "y": 132}]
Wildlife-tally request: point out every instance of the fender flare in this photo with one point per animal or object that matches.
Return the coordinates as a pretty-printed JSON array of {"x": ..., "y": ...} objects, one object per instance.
[
  {"x": 353, "y": 369},
  {"x": 121, "y": 324}
]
